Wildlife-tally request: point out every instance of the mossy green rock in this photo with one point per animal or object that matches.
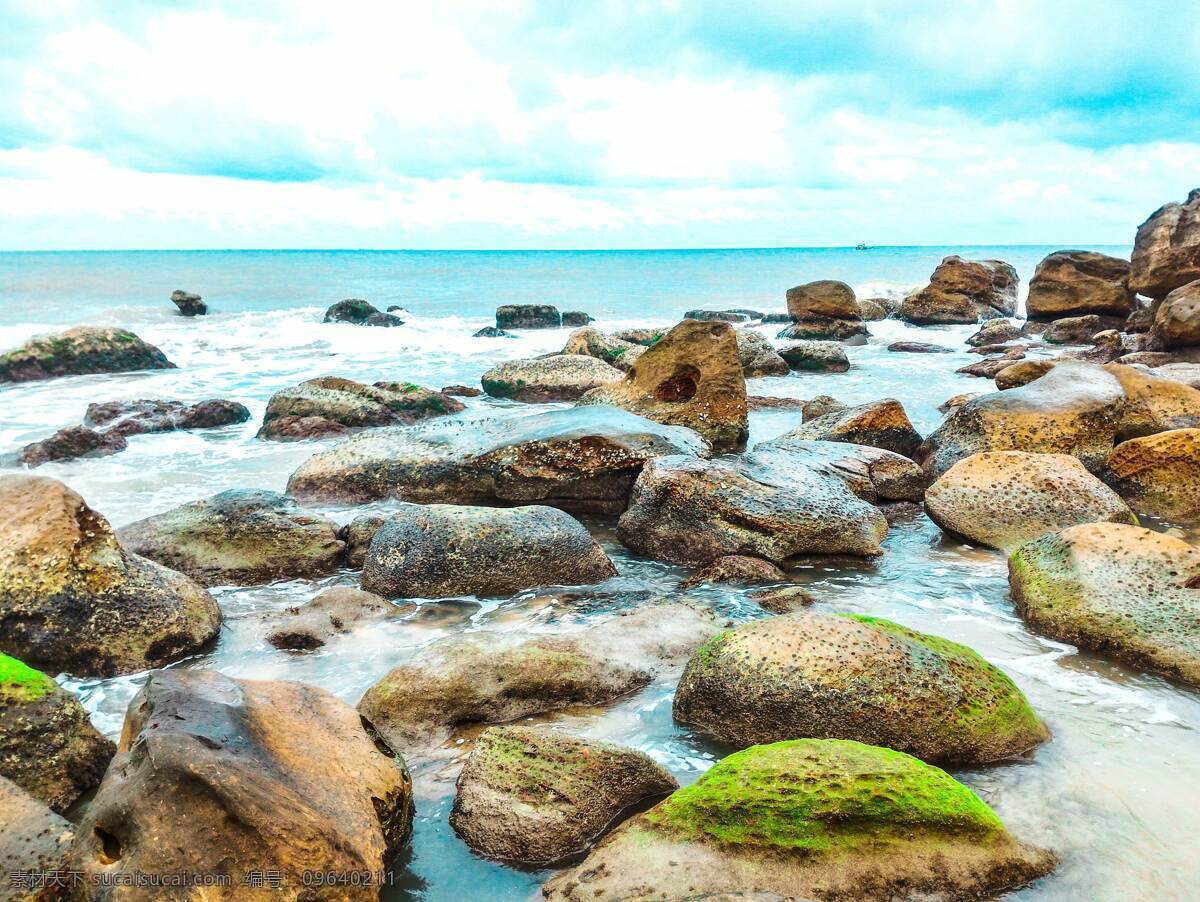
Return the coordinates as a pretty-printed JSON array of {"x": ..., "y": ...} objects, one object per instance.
[
  {"x": 557, "y": 377},
  {"x": 78, "y": 351},
  {"x": 851, "y": 677},
  {"x": 330, "y": 405},
  {"x": 1123, "y": 591},
  {"x": 536, "y": 796},
  {"x": 815, "y": 819},
  {"x": 48, "y": 746}
]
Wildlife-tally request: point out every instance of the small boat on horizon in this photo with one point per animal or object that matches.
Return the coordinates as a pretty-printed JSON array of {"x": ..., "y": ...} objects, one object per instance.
[{"x": 861, "y": 247}]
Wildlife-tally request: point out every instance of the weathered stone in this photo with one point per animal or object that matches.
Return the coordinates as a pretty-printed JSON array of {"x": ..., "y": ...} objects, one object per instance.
[
  {"x": 1187, "y": 373},
  {"x": 221, "y": 776},
  {"x": 1166, "y": 249},
  {"x": 79, "y": 351},
  {"x": 783, "y": 599},
  {"x": 613, "y": 351},
  {"x": 644, "y": 337},
  {"x": 809, "y": 819},
  {"x": 331, "y": 405},
  {"x": 1022, "y": 373},
  {"x": 821, "y": 405},
  {"x": 990, "y": 367},
  {"x": 1120, "y": 590},
  {"x": 737, "y": 569},
  {"x": 329, "y": 614},
  {"x": 488, "y": 677},
  {"x": 1004, "y": 499},
  {"x": 1153, "y": 404},
  {"x": 189, "y": 303},
  {"x": 849, "y": 331},
  {"x": 584, "y": 459},
  {"x": 357, "y": 534},
  {"x": 823, "y": 298},
  {"x": 1076, "y": 330},
  {"x": 126, "y": 418},
  {"x": 1159, "y": 474},
  {"x": 71, "y": 443},
  {"x": 72, "y": 599},
  {"x": 360, "y": 313},
  {"x": 964, "y": 291},
  {"x": 48, "y": 746},
  {"x": 491, "y": 332},
  {"x": 995, "y": 331},
  {"x": 718, "y": 316},
  {"x": 916, "y": 347},
  {"x": 850, "y": 677},
  {"x": 758, "y": 356},
  {"x": 238, "y": 537},
  {"x": 537, "y": 796},
  {"x": 880, "y": 424},
  {"x": 33, "y": 840},
  {"x": 441, "y": 550},
  {"x": 959, "y": 400},
  {"x": 1070, "y": 283},
  {"x": 574, "y": 318},
  {"x": 815, "y": 356},
  {"x": 770, "y": 402},
  {"x": 878, "y": 308},
  {"x": 559, "y": 377},
  {"x": 1177, "y": 317},
  {"x": 528, "y": 316},
  {"x": 461, "y": 391},
  {"x": 691, "y": 377}
]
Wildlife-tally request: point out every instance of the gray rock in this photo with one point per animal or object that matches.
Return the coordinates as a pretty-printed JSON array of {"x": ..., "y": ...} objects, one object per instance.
[
  {"x": 815, "y": 356},
  {"x": 330, "y": 613},
  {"x": 559, "y": 377},
  {"x": 189, "y": 304}
]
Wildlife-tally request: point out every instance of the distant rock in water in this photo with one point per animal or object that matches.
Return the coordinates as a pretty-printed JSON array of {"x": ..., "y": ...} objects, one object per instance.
[
  {"x": 71, "y": 443},
  {"x": 492, "y": 332},
  {"x": 1166, "y": 249},
  {"x": 125, "y": 418},
  {"x": 557, "y": 377},
  {"x": 80, "y": 351},
  {"x": 189, "y": 304},
  {"x": 528, "y": 316},
  {"x": 331, "y": 405},
  {"x": 582, "y": 459},
  {"x": 718, "y": 316},
  {"x": 1073, "y": 283},
  {"x": 964, "y": 291},
  {"x": 360, "y": 313},
  {"x": 995, "y": 332},
  {"x": 461, "y": 391},
  {"x": 575, "y": 318}
]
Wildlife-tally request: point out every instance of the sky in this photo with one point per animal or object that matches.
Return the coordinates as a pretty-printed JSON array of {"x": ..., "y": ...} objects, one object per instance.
[{"x": 605, "y": 124}]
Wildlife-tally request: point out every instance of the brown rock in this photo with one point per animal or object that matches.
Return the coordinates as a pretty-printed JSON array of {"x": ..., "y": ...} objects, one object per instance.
[
  {"x": 1177, "y": 318},
  {"x": 1159, "y": 474},
  {"x": 1166, "y": 249},
  {"x": 78, "y": 351},
  {"x": 1070, "y": 283},
  {"x": 736, "y": 568},
  {"x": 825, "y": 328},
  {"x": 995, "y": 331},
  {"x": 783, "y": 599},
  {"x": 815, "y": 356},
  {"x": 758, "y": 356},
  {"x": 1022, "y": 373},
  {"x": 71, "y": 443},
  {"x": 33, "y": 840},
  {"x": 559, "y": 377},
  {"x": 824, "y": 298},
  {"x": 357, "y": 534},
  {"x": 1077, "y": 330},
  {"x": 333, "y": 612},
  {"x": 964, "y": 291},
  {"x": 149, "y": 415},
  {"x": 990, "y": 367},
  {"x": 880, "y": 424},
  {"x": 591, "y": 342}
]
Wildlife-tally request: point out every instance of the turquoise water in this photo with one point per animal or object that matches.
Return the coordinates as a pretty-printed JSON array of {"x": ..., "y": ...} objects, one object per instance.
[{"x": 1114, "y": 792}]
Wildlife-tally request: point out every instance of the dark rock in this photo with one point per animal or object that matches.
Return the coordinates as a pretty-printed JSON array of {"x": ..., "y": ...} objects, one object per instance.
[
  {"x": 717, "y": 316},
  {"x": 461, "y": 391},
  {"x": 126, "y": 418},
  {"x": 826, "y": 298},
  {"x": 964, "y": 291},
  {"x": 329, "y": 614},
  {"x": 33, "y": 841},
  {"x": 360, "y": 313},
  {"x": 1166, "y": 249},
  {"x": 1071, "y": 283},
  {"x": 492, "y": 332},
  {"x": 819, "y": 406},
  {"x": 880, "y": 424},
  {"x": 768, "y": 402},
  {"x": 528, "y": 316},
  {"x": 357, "y": 534},
  {"x": 989, "y": 367},
  {"x": 79, "y": 351},
  {"x": 575, "y": 318},
  {"x": 70, "y": 443},
  {"x": 738, "y": 569},
  {"x": 917, "y": 347},
  {"x": 329, "y": 405},
  {"x": 1078, "y": 330},
  {"x": 815, "y": 356},
  {"x": 189, "y": 304},
  {"x": 782, "y": 599},
  {"x": 850, "y": 331}
]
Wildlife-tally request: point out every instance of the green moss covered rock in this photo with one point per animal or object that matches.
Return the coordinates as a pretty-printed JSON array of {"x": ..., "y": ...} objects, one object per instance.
[
  {"x": 78, "y": 351},
  {"x": 852, "y": 677},
  {"x": 1124, "y": 591},
  {"x": 330, "y": 405},
  {"x": 536, "y": 796},
  {"x": 815, "y": 819},
  {"x": 557, "y": 377}
]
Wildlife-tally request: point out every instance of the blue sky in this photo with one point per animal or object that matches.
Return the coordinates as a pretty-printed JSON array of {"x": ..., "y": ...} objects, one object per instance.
[{"x": 605, "y": 124}]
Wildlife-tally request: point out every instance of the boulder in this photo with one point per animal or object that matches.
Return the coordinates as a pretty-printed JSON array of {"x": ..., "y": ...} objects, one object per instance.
[
  {"x": 1075, "y": 330},
  {"x": 770, "y": 402},
  {"x": 1123, "y": 591},
  {"x": 1074, "y": 409},
  {"x": 737, "y": 569},
  {"x": 758, "y": 356},
  {"x": 1141, "y": 320},
  {"x": 995, "y": 332},
  {"x": 71, "y": 443},
  {"x": 850, "y": 331},
  {"x": 461, "y": 391},
  {"x": 1159, "y": 474},
  {"x": 823, "y": 298},
  {"x": 582, "y": 459},
  {"x": 189, "y": 304},
  {"x": 878, "y": 308},
  {"x": 809, "y": 819},
  {"x": 221, "y": 776},
  {"x": 330, "y": 405},
  {"x": 815, "y": 356},
  {"x": 443, "y": 550},
  {"x": 331, "y": 613},
  {"x": 558, "y": 377},
  {"x": 33, "y": 841},
  {"x": 1177, "y": 318},
  {"x": 594, "y": 343},
  {"x": 991, "y": 367},
  {"x": 79, "y": 351},
  {"x": 916, "y": 347},
  {"x": 239, "y": 537},
  {"x": 1071, "y": 283},
  {"x": 1166, "y": 249},
  {"x": 964, "y": 291},
  {"x": 827, "y": 676},
  {"x": 644, "y": 337},
  {"x": 491, "y": 332},
  {"x": 360, "y": 313},
  {"x": 72, "y": 599},
  {"x": 1153, "y": 404},
  {"x": 718, "y": 316},
  {"x": 357, "y": 534},
  {"x": 782, "y": 599},
  {"x": 958, "y": 400},
  {"x": 48, "y": 746},
  {"x": 528, "y": 316},
  {"x": 691, "y": 377},
  {"x": 880, "y": 424},
  {"x": 1187, "y": 373},
  {"x": 538, "y": 796},
  {"x": 1004, "y": 499},
  {"x": 873, "y": 474},
  {"x": 493, "y": 677},
  {"x": 574, "y": 318},
  {"x": 126, "y": 418},
  {"x": 1022, "y": 373},
  {"x": 819, "y": 406}
]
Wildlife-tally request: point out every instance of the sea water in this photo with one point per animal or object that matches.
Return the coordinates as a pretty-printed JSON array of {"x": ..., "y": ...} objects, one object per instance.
[{"x": 1113, "y": 793}]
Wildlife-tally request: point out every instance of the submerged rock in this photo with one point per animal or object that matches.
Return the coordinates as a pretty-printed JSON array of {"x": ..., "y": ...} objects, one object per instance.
[
  {"x": 71, "y": 443},
  {"x": 825, "y": 328},
  {"x": 537, "y": 796},
  {"x": 823, "y": 298},
  {"x": 488, "y": 677},
  {"x": 1159, "y": 474},
  {"x": 72, "y": 599},
  {"x": 815, "y": 356},
  {"x": 221, "y": 776},
  {"x": 1119, "y": 590},
  {"x": 738, "y": 569},
  {"x": 880, "y": 424},
  {"x": 79, "y": 351},
  {"x": 758, "y": 356},
  {"x": 916, "y": 347},
  {"x": 850, "y": 677},
  {"x": 995, "y": 332},
  {"x": 782, "y": 599},
  {"x": 584, "y": 458},
  {"x": 441, "y": 550},
  {"x": 810, "y": 819},
  {"x": 461, "y": 391},
  {"x": 964, "y": 291},
  {"x": 126, "y": 418},
  {"x": 1177, "y": 319},
  {"x": 1070, "y": 283},
  {"x": 573, "y": 318},
  {"x": 330, "y": 405},
  {"x": 48, "y": 746},
  {"x": 691, "y": 377},
  {"x": 491, "y": 332},
  {"x": 189, "y": 304},
  {"x": 528, "y": 316},
  {"x": 1166, "y": 249},
  {"x": 360, "y": 313},
  {"x": 329, "y": 614},
  {"x": 1004, "y": 499},
  {"x": 240, "y": 537},
  {"x": 33, "y": 841},
  {"x": 559, "y": 377}
]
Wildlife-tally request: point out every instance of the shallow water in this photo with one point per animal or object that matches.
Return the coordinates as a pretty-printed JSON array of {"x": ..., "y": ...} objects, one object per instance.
[{"x": 1114, "y": 793}]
